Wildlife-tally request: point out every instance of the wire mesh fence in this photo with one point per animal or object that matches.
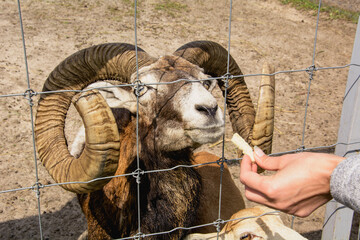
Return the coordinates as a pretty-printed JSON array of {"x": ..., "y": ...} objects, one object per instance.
[{"x": 29, "y": 94}]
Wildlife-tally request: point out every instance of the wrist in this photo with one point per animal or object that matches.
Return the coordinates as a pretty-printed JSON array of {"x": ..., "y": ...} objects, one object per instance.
[
  {"x": 325, "y": 165},
  {"x": 332, "y": 163}
]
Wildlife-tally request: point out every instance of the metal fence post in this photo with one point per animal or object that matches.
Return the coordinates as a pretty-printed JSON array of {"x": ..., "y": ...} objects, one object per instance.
[{"x": 338, "y": 219}]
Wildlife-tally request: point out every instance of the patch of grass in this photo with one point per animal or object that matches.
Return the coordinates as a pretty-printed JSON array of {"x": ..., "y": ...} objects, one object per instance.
[
  {"x": 171, "y": 7},
  {"x": 333, "y": 12}
]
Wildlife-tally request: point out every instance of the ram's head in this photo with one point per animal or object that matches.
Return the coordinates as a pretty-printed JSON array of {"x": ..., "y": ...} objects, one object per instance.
[{"x": 184, "y": 113}]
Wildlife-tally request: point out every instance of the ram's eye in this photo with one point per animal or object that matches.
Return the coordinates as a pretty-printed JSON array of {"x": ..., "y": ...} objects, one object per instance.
[
  {"x": 246, "y": 236},
  {"x": 141, "y": 90},
  {"x": 207, "y": 84}
]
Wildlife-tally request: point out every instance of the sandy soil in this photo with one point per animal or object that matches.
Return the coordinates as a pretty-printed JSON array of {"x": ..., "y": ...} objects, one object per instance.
[{"x": 261, "y": 31}]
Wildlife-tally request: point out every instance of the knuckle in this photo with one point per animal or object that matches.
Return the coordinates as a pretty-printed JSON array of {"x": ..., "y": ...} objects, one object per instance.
[
  {"x": 242, "y": 179},
  {"x": 271, "y": 191},
  {"x": 248, "y": 195},
  {"x": 302, "y": 213}
]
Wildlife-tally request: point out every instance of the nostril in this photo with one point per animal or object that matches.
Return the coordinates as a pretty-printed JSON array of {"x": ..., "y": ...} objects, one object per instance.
[
  {"x": 210, "y": 111},
  {"x": 213, "y": 110}
]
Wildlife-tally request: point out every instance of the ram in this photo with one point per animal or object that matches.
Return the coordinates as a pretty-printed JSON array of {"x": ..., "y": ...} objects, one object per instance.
[
  {"x": 174, "y": 119},
  {"x": 256, "y": 223}
]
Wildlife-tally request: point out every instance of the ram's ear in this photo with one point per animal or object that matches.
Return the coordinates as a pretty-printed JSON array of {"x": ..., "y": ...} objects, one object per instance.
[{"x": 116, "y": 97}]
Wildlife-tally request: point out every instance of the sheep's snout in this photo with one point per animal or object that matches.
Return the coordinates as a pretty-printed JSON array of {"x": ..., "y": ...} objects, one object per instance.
[
  {"x": 200, "y": 109},
  {"x": 202, "y": 117},
  {"x": 207, "y": 110}
]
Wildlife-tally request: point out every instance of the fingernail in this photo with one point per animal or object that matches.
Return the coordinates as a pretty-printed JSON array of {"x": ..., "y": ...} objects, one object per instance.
[{"x": 258, "y": 151}]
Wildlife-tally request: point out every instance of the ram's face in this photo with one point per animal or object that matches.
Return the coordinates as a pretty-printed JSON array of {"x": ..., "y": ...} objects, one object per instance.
[{"x": 184, "y": 113}]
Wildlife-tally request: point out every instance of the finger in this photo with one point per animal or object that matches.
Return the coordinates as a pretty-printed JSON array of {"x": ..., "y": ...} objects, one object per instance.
[
  {"x": 250, "y": 178},
  {"x": 297, "y": 208},
  {"x": 246, "y": 164},
  {"x": 245, "y": 167},
  {"x": 256, "y": 196},
  {"x": 305, "y": 207},
  {"x": 300, "y": 209},
  {"x": 254, "y": 167},
  {"x": 266, "y": 162}
]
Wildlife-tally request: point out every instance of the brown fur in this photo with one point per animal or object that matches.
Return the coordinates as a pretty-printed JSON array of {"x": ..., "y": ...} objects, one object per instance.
[
  {"x": 231, "y": 200},
  {"x": 168, "y": 199},
  {"x": 119, "y": 202}
]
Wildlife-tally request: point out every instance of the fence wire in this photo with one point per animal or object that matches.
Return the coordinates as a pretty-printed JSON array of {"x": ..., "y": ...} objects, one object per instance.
[{"x": 30, "y": 93}]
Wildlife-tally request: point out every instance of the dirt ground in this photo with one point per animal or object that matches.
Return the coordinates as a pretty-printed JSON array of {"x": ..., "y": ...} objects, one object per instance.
[{"x": 261, "y": 31}]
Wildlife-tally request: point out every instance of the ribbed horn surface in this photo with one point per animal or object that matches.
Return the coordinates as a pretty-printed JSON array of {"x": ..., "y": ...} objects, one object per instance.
[
  {"x": 264, "y": 119},
  {"x": 102, "y": 62}
]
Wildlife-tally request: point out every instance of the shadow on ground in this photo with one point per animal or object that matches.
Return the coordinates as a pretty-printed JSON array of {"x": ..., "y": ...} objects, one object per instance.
[{"x": 67, "y": 223}]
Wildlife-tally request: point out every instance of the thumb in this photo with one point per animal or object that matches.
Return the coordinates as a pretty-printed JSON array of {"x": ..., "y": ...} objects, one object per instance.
[{"x": 264, "y": 161}]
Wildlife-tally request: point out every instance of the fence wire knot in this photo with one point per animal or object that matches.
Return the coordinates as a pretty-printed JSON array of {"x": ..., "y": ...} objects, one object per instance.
[
  {"x": 218, "y": 224},
  {"x": 139, "y": 235},
  {"x": 225, "y": 79},
  {"x": 36, "y": 188},
  {"x": 300, "y": 149},
  {"x": 310, "y": 70},
  {"x": 221, "y": 162},
  {"x": 28, "y": 94},
  {"x": 136, "y": 174},
  {"x": 138, "y": 87}
]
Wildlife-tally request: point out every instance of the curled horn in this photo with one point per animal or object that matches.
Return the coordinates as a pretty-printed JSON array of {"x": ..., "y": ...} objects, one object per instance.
[
  {"x": 101, "y": 152},
  {"x": 213, "y": 58},
  {"x": 264, "y": 120}
]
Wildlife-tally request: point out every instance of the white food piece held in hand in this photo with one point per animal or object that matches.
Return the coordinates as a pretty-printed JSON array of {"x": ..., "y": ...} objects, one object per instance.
[{"x": 243, "y": 145}]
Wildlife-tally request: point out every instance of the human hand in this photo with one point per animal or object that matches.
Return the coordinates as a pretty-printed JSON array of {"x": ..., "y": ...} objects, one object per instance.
[{"x": 300, "y": 185}]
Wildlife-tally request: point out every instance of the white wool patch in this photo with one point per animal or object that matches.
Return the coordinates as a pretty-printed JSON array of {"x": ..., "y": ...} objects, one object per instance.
[
  {"x": 79, "y": 143},
  {"x": 116, "y": 97},
  {"x": 199, "y": 96}
]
